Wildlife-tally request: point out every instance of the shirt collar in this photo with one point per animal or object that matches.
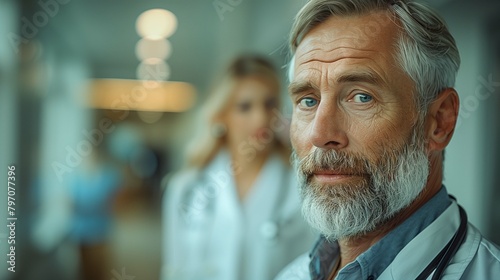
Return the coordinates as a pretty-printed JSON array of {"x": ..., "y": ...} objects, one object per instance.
[{"x": 378, "y": 257}]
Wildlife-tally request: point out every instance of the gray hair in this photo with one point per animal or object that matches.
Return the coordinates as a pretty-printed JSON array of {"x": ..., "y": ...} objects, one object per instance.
[{"x": 426, "y": 50}]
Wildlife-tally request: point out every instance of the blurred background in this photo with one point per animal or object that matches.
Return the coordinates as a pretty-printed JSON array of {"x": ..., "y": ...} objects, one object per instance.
[{"x": 82, "y": 102}]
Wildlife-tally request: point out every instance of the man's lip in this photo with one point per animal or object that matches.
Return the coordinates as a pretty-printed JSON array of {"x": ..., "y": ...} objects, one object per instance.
[
  {"x": 333, "y": 176},
  {"x": 329, "y": 172}
]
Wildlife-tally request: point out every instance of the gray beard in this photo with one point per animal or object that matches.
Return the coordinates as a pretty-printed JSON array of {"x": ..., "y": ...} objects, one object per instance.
[{"x": 353, "y": 209}]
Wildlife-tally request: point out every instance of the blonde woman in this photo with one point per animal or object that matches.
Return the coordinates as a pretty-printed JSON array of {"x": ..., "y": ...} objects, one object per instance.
[{"x": 233, "y": 212}]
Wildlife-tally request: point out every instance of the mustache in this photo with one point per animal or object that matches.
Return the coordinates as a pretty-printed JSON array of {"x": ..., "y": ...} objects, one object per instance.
[{"x": 332, "y": 160}]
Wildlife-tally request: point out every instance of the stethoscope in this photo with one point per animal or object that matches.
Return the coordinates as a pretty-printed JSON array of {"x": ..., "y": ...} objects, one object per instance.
[
  {"x": 270, "y": 229},
  {"x": 441, "y": 261},
  {"x": 196, "y": 213}
]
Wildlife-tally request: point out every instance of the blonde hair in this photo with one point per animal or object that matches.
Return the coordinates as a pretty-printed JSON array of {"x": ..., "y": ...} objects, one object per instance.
[{"x": 206, "y": 145}]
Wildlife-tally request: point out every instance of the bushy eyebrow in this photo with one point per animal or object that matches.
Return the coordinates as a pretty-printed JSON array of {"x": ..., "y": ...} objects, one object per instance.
[
  {"x": 355, "y": 77},
  {"x": 359, "y": 77},
  {"x": 298, "y": 87}
]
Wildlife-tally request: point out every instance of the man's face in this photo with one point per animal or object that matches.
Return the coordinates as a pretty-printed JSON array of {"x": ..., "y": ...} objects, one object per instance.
[{"x": 354, "y": 128}]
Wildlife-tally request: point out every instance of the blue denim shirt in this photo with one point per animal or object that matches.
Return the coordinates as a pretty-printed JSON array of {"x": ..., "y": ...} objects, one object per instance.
[{"x": 370, "y": 264}]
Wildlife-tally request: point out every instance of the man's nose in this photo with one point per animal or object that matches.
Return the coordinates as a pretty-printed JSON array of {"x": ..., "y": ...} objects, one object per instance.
[{"x": 328, "y": 127}]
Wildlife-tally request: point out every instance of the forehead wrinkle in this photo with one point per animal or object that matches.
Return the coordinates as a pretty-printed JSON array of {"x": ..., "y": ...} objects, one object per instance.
[
  {"x": 306, "y": 73},
  {"x": 328, "y": 61},
  {"x": 319, "y": 67},
  {"x": 339, "y": 52},
  {"x": 375, "y": 67}
]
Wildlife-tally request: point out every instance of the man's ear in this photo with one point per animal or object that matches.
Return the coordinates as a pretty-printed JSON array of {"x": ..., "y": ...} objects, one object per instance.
[{"x": 442, "y": 117}]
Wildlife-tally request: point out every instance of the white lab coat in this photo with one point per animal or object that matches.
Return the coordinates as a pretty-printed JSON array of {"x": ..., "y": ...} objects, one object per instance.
[
  {"x": 210, "y": 234},
  {"x": 476, "y": 259}
]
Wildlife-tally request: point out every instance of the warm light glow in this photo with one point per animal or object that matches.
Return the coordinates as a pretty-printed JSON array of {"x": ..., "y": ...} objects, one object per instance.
[
  {"x": 117, "y": 94},
  {"x": 153, "y": 69},
  {"x": 149, "y": 117},
  {"x": 156, "y": 24},
  {"x": 153, "y": 49}
]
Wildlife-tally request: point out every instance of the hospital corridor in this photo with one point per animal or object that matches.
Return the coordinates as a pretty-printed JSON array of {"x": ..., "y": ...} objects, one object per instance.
[{"x": 190, "y": 140}]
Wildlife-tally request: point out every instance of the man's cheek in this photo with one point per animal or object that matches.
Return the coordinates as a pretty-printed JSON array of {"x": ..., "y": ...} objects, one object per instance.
[
  {"x": 294, "y": 133},
  {"x": 299, "y": 138}
]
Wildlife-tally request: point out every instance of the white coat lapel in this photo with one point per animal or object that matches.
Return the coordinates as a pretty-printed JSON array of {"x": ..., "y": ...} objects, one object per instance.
[
  {"x": 226, "y": 232},
  {"x": 424, "y": 247}
]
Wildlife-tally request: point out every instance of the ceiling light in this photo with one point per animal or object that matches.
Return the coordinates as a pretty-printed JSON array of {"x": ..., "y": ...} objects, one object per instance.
[{"x": 156, "y": 24}]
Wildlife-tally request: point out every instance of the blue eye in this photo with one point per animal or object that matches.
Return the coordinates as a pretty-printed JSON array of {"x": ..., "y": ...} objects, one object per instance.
[
  {"x": 362, "y": 98},
  {"x": 308, "y": 102}
]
